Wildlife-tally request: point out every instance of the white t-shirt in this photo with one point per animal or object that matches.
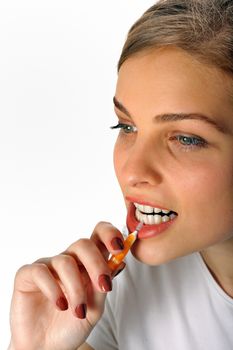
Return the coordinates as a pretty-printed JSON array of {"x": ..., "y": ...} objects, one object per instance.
[{"x": 174, "y": 306}]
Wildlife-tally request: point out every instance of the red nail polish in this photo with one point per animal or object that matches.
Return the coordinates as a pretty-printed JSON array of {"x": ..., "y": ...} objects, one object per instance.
[
  {"x": 62, "y": 303},
  {"x": 105, "y": 283},
  {"x": 117, "y": 243},
  {"x": 81, "y": 311}
]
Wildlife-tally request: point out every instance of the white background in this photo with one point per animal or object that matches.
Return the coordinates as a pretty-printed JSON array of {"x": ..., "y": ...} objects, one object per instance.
[{"x": 57, "y": 79}]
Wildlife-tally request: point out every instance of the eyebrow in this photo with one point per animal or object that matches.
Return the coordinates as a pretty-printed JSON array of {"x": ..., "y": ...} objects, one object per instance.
[{"x": 173, "y": 117}]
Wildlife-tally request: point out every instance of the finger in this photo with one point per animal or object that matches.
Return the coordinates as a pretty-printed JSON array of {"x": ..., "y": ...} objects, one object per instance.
[
  {"x": 37, "y": 277},
  {"x": 67, "y": 270},
  {"x": 109, "y": 236},
  {"x": 87, "y": 253}
]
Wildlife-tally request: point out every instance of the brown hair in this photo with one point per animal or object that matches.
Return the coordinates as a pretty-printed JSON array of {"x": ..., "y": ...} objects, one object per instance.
[{"x": 203, "y": 28}]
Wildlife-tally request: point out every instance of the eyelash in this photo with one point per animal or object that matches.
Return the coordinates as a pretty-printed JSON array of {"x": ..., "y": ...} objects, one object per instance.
[
  {"x": 126, "y": 128},
  {"x": 194, "y": 142}
]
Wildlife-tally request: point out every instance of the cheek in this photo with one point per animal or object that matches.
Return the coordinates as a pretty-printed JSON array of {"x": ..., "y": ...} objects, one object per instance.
[
  {"x": 208, "y": 200},
  {"x": 216, "y": 188},
  {"x": 118, "y": 160},
  {"x": 206, "y": 182},
  {"x": 121, "y": 153}
]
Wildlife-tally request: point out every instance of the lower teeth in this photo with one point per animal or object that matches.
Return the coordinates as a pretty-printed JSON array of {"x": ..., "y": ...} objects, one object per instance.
[{"x": 153, "y": 219}]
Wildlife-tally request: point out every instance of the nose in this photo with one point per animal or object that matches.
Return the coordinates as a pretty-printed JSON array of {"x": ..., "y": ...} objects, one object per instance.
[{"x": 142, "y": 166}]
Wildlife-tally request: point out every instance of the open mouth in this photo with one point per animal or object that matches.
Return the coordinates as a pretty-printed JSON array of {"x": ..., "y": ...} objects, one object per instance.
[
  {"x": 152, "y": 215},
  {"x": 155, "y": 220}
]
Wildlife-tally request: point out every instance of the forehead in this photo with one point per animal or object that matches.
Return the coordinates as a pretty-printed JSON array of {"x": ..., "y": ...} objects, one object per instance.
[{"x": 173, "y": 80}]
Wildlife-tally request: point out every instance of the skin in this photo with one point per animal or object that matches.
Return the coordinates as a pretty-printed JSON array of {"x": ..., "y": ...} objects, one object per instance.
[
  {"x": 37, "y": 323},
  {"x": 153, "y": 165}
]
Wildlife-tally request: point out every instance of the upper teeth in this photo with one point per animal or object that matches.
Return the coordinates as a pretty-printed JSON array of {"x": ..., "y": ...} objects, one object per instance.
[
  {"x": 153, "y": 216},
  {"x": 149, "y": 210}
]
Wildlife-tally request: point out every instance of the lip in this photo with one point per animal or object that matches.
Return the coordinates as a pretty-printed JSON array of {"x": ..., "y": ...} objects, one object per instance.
[
  {"x": 134, "y": 200},
  {"x": 147, "y": 231}
]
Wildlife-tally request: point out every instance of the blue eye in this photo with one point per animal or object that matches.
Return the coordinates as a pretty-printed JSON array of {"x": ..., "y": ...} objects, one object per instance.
[
  {"x": 190, "y": 142},
  {"x": 126, "y": 128}
]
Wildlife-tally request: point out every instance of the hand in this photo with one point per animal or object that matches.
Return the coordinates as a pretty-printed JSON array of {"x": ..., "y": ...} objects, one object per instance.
[{"x": 58, "y": 300}]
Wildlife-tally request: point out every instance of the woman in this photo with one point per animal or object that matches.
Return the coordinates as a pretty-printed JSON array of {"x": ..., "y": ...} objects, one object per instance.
[{"x": 174, "y": 162}]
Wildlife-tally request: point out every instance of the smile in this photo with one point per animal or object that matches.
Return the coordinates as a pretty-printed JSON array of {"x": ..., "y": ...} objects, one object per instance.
[
  {"x": 152, "y": 215},
  {"x": 155, "y": 220}
]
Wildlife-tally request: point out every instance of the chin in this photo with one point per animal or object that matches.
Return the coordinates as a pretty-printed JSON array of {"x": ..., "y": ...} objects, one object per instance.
[
  {"x": 148, "y": 253},
  {"x": 156, "y": 252}
]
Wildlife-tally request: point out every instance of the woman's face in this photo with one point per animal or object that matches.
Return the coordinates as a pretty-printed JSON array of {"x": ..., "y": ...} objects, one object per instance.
[{"x": 174, "y": 153}]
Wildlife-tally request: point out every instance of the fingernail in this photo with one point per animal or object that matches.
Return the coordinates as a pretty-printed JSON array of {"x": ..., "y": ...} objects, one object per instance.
[
  {"x": 105, "y": 283},
  {"x": 81, "y": 311},
  {"x": 62, "y": 303},
  {"x": 117, "y": 243}
]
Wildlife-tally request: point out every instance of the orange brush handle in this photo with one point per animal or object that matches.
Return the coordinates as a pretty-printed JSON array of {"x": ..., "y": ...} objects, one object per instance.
[{"x": 115, "y": 260}]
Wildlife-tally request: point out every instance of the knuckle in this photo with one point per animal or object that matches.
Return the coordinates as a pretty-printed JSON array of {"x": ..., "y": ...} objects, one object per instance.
[
  {"x": 35, "y": 270},
  {"x": 102, "y": 224},
  {"x": 103, "y": 230},
  {"x": 39, "y": 269},
  {"x": 82, "y": 243},
  {"x": 62, "y": 260},
  {"x": 21, "y": 270}
]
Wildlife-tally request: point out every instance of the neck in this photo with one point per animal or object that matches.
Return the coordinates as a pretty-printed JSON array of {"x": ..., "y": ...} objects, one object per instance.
[{"x": 219, "y": 260}]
